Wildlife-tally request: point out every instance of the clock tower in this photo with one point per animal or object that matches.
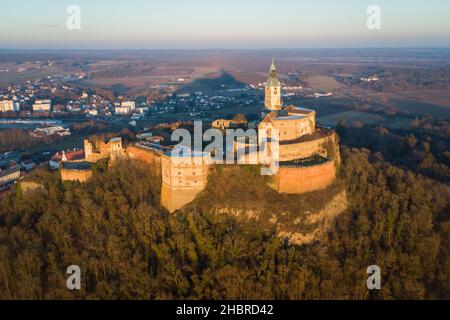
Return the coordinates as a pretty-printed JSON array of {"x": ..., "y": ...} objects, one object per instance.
[{"x": 273, "y": 90}]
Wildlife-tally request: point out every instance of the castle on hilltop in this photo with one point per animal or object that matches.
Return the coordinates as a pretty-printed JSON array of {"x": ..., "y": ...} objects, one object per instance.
[{"x": 308, "y": 155}]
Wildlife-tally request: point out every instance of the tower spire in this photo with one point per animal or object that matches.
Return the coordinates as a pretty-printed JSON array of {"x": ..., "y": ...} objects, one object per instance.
[
  {"x": 273, "y": 80},
  {"x": 272, "y": 99}
]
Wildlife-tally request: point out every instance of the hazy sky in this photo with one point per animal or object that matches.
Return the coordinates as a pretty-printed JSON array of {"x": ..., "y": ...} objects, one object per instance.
[{"x": 194, "y": 24}]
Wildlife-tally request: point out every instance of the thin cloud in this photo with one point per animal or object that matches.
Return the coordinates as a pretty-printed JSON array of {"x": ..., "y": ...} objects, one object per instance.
[{"x": 51, "y": 26}]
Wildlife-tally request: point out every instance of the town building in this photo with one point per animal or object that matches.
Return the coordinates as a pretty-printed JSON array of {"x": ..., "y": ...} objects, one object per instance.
[
  {"x": 131, "y": 105},
  {"x": 55, "y": 162},
  {"x": 155, "y": 139},
  {"x": 9, "y": 105},
  {"x": 125, "y": 108},
  {"x": 48, "y": 130},
  {"x": 121, "y": 111},
  {"x": 28, "y": 164},
  {"x": 9, "y": 175},
  {"x": 223, "y": 124},
  {"x": 42, "y": 106}
]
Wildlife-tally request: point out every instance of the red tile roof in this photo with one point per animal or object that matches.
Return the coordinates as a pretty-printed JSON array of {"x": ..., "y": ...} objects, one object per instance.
[{"x": 69, "y": 156}]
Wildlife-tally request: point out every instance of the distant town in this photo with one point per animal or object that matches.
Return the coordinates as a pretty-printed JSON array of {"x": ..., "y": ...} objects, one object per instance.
[
  {"x": 45, "y": 119},
  {"x": 54, "y": 96}
]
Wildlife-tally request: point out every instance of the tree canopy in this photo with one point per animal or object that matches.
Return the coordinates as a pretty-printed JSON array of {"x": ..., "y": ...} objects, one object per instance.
[{"x": 128, "y": 247}]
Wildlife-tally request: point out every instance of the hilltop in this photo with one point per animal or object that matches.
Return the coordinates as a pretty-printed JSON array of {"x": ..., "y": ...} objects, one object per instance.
[
  {"x": 242, "y": 192},
  {"x": 130, "y": 247}
]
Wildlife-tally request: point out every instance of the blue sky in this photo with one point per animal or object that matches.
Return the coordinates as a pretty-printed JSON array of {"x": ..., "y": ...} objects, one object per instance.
[{"x": 197, "y": 24}]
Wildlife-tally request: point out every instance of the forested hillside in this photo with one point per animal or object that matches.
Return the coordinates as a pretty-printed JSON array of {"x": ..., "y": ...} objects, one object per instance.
[{"x": 127, "y": 246}]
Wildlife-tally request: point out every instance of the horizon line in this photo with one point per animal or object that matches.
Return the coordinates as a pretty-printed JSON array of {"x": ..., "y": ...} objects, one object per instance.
[{"x": 223, "y": 49}]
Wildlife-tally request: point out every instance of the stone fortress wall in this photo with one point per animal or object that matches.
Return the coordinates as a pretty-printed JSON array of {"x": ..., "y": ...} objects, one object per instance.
[
  {"x": 148, "y": 155},
  {"x": 292, "y": 178},
  {"x": 304, "y": 149},
  {"x": 98, "y": 150},
  {"x": 182, "y": 177},
  {"x": 298, "y": 180},
  {"x": 80, "y": 175}
]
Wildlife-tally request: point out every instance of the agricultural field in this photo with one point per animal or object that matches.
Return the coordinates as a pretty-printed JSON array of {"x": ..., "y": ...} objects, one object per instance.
[
  {"x": 143, "y": 74},
  {"x": 421, "y": 108},
  {"x": 10, "y": 74},
  {"x": 351, "y": 117},
  {"x": 435, "y": 103},
  {"x": 321, "y": 82},
  {"x": 437, "y": 97},
  {"x": 323, "y": 106},
  {"x": 357, "y": 117}
]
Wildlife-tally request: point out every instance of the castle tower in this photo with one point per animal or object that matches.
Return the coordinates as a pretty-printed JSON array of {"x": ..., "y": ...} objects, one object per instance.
[
  {"x": 273, "y": 90},
  {"x": 88, "y": 149}
]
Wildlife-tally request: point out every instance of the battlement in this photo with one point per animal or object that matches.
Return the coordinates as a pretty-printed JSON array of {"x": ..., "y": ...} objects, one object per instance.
[
  {"x": 96, "y": 150},
  {"x": 80, "y": 169}
]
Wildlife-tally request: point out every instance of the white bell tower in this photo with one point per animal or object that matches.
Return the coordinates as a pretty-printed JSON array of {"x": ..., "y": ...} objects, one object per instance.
[{"x": 272, "y": 99}]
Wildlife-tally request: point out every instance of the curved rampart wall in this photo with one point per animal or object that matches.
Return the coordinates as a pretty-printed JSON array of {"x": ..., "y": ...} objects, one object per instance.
[
  {"x": 323, "y": 146},
  {"x": 304, "y": 179}
]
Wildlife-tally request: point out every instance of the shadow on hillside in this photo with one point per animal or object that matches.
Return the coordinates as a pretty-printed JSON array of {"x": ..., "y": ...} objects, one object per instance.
[{"x": 217, "y": 81}]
